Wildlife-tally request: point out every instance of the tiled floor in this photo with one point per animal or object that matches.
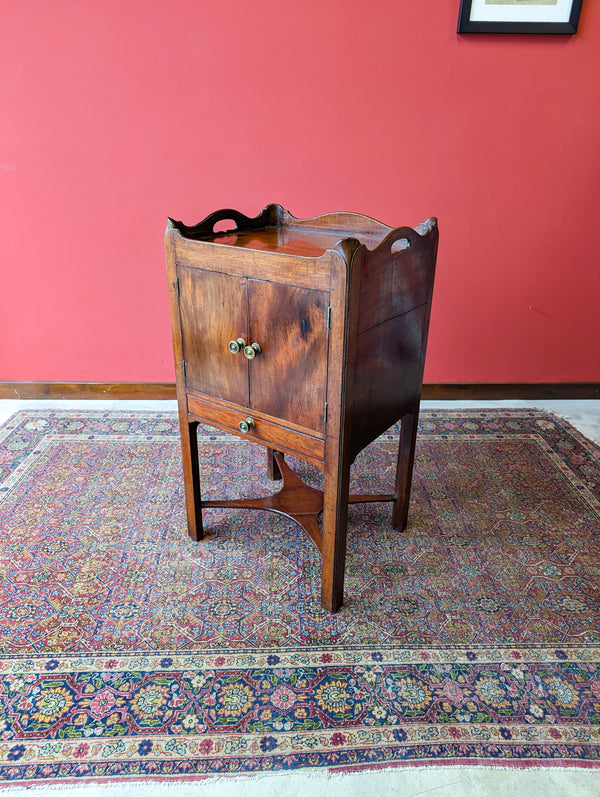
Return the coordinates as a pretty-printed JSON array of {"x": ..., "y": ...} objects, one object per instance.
[{"x": 432, "y": 781}]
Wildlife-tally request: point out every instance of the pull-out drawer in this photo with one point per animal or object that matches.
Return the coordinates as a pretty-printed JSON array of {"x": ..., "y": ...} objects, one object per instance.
[{"x": 259, "y": 429}]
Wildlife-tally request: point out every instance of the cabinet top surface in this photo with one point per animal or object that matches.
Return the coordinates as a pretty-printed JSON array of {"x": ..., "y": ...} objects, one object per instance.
[{"x": 304, "y": 241}]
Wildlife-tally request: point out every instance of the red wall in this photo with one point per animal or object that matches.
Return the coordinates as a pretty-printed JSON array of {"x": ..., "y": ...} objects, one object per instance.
[{"x": 115, "y": 114}]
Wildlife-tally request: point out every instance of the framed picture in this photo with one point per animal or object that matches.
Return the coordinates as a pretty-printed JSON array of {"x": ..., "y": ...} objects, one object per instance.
[{"x": 519, "y": 16}]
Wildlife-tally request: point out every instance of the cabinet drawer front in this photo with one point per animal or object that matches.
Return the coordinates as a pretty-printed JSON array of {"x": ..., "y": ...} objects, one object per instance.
[{"x": 265, "y": 432}]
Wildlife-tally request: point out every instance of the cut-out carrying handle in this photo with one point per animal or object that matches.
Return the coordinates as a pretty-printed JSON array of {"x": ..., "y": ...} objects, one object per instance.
[
  {"x": 403, "y": 238},
  {"x": 227, "y": 214},
  {"x": 206, "y": 228}
]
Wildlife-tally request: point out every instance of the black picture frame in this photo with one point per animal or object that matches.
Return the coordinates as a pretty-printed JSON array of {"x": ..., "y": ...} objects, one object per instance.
[{"x": 466, "y": 25}]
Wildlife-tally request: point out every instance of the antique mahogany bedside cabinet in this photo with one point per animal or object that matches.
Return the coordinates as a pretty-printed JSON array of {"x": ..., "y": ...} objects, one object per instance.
[{"x": 308, "y": 337}]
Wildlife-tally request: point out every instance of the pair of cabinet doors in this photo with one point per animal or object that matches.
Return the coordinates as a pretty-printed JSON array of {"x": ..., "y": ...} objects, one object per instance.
[{"x": 288, "y": 378}]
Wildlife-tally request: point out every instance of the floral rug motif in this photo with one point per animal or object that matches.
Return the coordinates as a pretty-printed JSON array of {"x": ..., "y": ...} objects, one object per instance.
[{"x": 128, "y": 651}]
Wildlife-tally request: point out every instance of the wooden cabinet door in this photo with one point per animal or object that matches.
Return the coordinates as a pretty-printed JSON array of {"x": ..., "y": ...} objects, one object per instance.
[
  {"x": 289, "y": 378},
  {"x": 213, "y": 311}
]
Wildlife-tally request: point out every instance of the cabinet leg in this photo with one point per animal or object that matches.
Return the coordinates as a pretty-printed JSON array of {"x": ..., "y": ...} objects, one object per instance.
[
  {"x": 335, "y": 524},
  {"x": 406, "y": 457},
  {"x": 273, "y": 471},
  {"x": 191, "y": 478}
]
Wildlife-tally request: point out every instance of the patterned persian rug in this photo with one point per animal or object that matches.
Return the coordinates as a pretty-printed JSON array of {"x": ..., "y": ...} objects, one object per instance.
[{"x": 127, "y": 651}]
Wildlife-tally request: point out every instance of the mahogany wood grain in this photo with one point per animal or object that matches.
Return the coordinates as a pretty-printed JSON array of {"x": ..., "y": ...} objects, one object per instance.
[
  {"x": 339, "y": 305},
  {"x": 273, "y": 471},
  {"x": 298, "y": 241},
  {"x": 289, "y": 379},
  {"x": 345, "y": 287},
  {"x": 354, "y": 225},
  {"x": 294, "y": 427},
  {"x": 275, "y": 217},
  {"x": 271, "y": 216},
  {"x": 210, "y": 366},
  {"x": 306, "y": 272},
  {"x": 393, "y": 322},
  {"x": 295, "y": 499},
  {"x": 380, "y": 395},
  {"x": 188, "y": 429},
  {"x": 191, "y": 476},
  {"x": 267, "y": 433},
  {"x": 404, "y": 469},
  {"x": 395, "y": 282}
]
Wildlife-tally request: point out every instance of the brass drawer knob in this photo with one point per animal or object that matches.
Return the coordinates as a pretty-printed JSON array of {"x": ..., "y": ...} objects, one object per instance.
[
  {"x": 236, "y": 346},
  {"x": 252, "y": 351},
  {"x": 245, "y": 426}
]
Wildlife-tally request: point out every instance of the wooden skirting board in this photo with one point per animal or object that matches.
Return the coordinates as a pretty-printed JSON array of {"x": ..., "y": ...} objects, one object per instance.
[{"x": 166, "y": 390}]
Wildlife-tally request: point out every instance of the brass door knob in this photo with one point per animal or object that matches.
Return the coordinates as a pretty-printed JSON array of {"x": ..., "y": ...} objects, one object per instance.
[
  {"x": 236, "y": 346},
  {"x": 252, "y": 351},
  {"x": 245, "y": 426}
]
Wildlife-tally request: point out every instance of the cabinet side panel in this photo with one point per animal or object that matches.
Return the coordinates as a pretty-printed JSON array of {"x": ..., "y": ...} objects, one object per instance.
[
  {"x": 394, "y": 283},
  {"x": 212, "y": 310},
  {"x": 288, "y": 380},
  {"x": 388, "y": 375},
  {"x": 394, "y": 307}
]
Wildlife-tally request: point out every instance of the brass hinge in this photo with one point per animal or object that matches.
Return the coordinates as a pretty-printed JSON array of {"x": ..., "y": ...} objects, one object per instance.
[
  {"x": 329, "y": 317},
  {"x": 325, "y": 413},
  {"x": 184, "y": 366}
]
